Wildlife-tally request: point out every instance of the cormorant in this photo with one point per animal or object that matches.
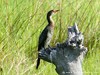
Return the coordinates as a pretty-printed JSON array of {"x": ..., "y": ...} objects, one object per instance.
[{"x": 46, "y": 35}]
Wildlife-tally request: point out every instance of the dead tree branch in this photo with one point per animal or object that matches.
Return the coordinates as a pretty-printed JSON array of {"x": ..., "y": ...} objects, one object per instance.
[{"x": 68, "y": 56}]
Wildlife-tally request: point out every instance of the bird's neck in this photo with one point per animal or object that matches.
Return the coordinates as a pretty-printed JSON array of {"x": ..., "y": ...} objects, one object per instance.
[{"x": 50, "y": 21}]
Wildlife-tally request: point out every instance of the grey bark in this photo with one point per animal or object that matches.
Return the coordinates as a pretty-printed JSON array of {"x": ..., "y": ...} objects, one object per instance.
[{"x": 68, "y": 56}]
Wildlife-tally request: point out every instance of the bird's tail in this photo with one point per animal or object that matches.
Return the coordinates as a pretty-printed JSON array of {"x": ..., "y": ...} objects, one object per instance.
[{"x": 38, "y": 63}]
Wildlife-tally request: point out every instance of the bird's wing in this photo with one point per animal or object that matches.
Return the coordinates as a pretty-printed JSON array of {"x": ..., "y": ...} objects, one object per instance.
[{"x": 42, "y": 38}]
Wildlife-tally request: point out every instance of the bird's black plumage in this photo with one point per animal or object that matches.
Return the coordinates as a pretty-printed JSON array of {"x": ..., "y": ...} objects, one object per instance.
[
  {"x": 42, "y": 38},
  {"x": 41, "y": 43},
  {"x": 46, "y": 35}
]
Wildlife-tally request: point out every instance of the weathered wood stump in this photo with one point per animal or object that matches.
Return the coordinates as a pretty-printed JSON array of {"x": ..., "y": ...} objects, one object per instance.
[{"x": 68, "y": 56}]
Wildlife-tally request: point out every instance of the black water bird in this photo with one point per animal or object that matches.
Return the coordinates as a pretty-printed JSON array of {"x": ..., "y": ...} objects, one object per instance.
[{"x": 46, "y": 35}]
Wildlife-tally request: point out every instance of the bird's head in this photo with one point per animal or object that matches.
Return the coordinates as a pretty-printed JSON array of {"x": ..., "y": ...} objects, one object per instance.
[{"x": 51, "y": 12}]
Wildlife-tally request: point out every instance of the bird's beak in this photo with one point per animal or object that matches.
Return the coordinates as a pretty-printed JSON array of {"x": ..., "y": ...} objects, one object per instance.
[{"x": 56, "y": 11}]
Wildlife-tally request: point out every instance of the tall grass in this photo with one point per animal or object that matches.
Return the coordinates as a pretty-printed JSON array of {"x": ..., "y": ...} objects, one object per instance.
[{"x": 21, "y": 22}]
